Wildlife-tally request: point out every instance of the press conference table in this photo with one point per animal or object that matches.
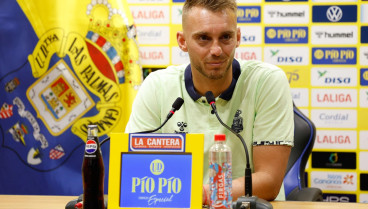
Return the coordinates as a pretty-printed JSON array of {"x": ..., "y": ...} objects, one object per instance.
[{"x": 59, "y": 202}]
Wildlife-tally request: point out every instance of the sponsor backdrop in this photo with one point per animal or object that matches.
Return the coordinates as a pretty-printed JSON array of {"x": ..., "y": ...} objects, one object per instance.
[
  {"x": 64, "y": 64},
  {"x": 322, "y": 45}
]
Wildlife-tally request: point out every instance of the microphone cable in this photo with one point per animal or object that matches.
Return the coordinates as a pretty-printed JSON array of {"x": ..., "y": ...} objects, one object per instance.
[
  {"x": 248, "y": 172},
  {"x": 175, "y": 106}
]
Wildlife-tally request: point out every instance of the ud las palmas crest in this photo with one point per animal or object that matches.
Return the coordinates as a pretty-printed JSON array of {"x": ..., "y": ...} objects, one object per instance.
[{"x": 84, "y": 85}]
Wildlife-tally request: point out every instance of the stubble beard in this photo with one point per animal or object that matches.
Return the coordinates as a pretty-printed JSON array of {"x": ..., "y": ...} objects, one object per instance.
[{"x": 210, "y": 75}]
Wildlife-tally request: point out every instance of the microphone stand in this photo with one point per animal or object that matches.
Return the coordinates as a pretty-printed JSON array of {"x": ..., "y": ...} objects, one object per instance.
[
  {"x": 175, "y": 107},
  {"x": 247, "y": 201}
]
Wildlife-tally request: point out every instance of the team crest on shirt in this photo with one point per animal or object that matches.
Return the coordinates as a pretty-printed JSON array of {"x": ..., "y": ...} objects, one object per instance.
[
  {"x": 237, "y": 125},
  {"x": 182, "y": 126}
]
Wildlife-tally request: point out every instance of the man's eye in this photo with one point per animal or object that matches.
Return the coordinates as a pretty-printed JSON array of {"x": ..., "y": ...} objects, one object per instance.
[
  {"x": 203, "y": 38},
  {"x": 226, "y": 37}
]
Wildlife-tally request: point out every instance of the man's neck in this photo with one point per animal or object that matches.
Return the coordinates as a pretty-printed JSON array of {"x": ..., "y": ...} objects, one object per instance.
[{"x": 203, "y": 84}]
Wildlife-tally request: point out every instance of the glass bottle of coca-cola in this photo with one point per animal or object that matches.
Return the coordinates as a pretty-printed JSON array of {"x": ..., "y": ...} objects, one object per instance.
[{"x": 93, "y": 172}]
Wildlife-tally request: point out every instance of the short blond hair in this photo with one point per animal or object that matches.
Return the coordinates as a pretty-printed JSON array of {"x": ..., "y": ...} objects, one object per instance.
[{"x": 211, "y": 5}]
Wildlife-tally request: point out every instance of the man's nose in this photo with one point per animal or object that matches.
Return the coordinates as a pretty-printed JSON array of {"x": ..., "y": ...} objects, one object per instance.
[{"x": 216, "y": 49}]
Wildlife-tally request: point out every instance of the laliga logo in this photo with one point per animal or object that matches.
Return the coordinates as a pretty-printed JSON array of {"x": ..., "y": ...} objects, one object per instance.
[{"x": 334, "y": 14}]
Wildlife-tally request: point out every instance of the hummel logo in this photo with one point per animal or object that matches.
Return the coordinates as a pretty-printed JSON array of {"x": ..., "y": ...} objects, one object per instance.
[
  {"x": 319, "y": 34},
  {"x": 272, "y": 13}
]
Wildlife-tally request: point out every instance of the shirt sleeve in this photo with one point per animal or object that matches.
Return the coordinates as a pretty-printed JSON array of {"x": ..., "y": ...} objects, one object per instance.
[
  {"x": 145, "y": 113},
  {"x": 274, "y": 118}
]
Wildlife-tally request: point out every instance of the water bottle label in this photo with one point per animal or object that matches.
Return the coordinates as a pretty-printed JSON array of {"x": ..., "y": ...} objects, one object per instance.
[
  {"x": 221, "y": 185},
  {"x": 91, "y": 146}
]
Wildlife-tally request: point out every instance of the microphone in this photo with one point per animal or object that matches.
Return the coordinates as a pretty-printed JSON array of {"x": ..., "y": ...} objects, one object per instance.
[
  {"x": 248, "y": 201},
  {"x": 175, "y": 106}
]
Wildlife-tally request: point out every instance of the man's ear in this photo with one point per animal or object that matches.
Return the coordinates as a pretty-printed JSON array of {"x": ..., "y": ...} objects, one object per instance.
[
  {"x": 181, "y": 41},
  {"x": 238, "y": 37}
]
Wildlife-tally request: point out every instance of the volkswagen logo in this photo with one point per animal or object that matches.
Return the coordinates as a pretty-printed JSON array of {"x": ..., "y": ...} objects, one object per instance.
[{"x": 334, "y": 13}]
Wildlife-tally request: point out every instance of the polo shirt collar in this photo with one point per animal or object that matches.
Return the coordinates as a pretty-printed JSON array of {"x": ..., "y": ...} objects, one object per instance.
[{"x": 226, "y": 95}]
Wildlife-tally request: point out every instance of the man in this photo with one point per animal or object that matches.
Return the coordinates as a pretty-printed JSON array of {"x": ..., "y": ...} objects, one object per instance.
[{"x": 252, "y": 96}]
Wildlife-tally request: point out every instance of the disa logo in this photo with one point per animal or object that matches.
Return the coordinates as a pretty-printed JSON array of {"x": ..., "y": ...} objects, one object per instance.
[
  {"x": 334, "y": 76},
  {"x": 287, "y": 55}
]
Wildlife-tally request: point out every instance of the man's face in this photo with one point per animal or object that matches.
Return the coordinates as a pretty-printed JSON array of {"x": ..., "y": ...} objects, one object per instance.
[{"x": 210, "y": 39}]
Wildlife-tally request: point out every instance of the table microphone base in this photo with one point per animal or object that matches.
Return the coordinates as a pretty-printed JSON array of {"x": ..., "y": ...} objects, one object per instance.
[{"x": 253, "y": 202}]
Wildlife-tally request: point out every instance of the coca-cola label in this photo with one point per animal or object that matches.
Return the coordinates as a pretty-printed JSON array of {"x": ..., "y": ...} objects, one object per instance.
[{"x": 91, "y": 146}]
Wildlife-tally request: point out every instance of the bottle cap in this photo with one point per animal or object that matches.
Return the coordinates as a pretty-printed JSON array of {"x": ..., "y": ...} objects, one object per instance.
[{"x": 220, "y": 137}]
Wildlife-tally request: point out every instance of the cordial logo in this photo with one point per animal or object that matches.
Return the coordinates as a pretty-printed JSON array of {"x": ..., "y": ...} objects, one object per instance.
[
  {"x": 300, "y": 97},
  {"x": 334, "y": 13},
  {"x": 334, "y": 118}
]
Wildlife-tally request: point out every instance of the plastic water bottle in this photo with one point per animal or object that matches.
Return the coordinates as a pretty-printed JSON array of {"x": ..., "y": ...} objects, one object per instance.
[{"x": 220, "y": 174}]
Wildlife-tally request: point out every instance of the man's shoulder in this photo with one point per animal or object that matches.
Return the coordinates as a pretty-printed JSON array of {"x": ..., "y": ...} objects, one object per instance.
[
  {"x": 171, "y": 72},
  {"x": 259, "y": 71},
  {"x": 257, "y": 65}
]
